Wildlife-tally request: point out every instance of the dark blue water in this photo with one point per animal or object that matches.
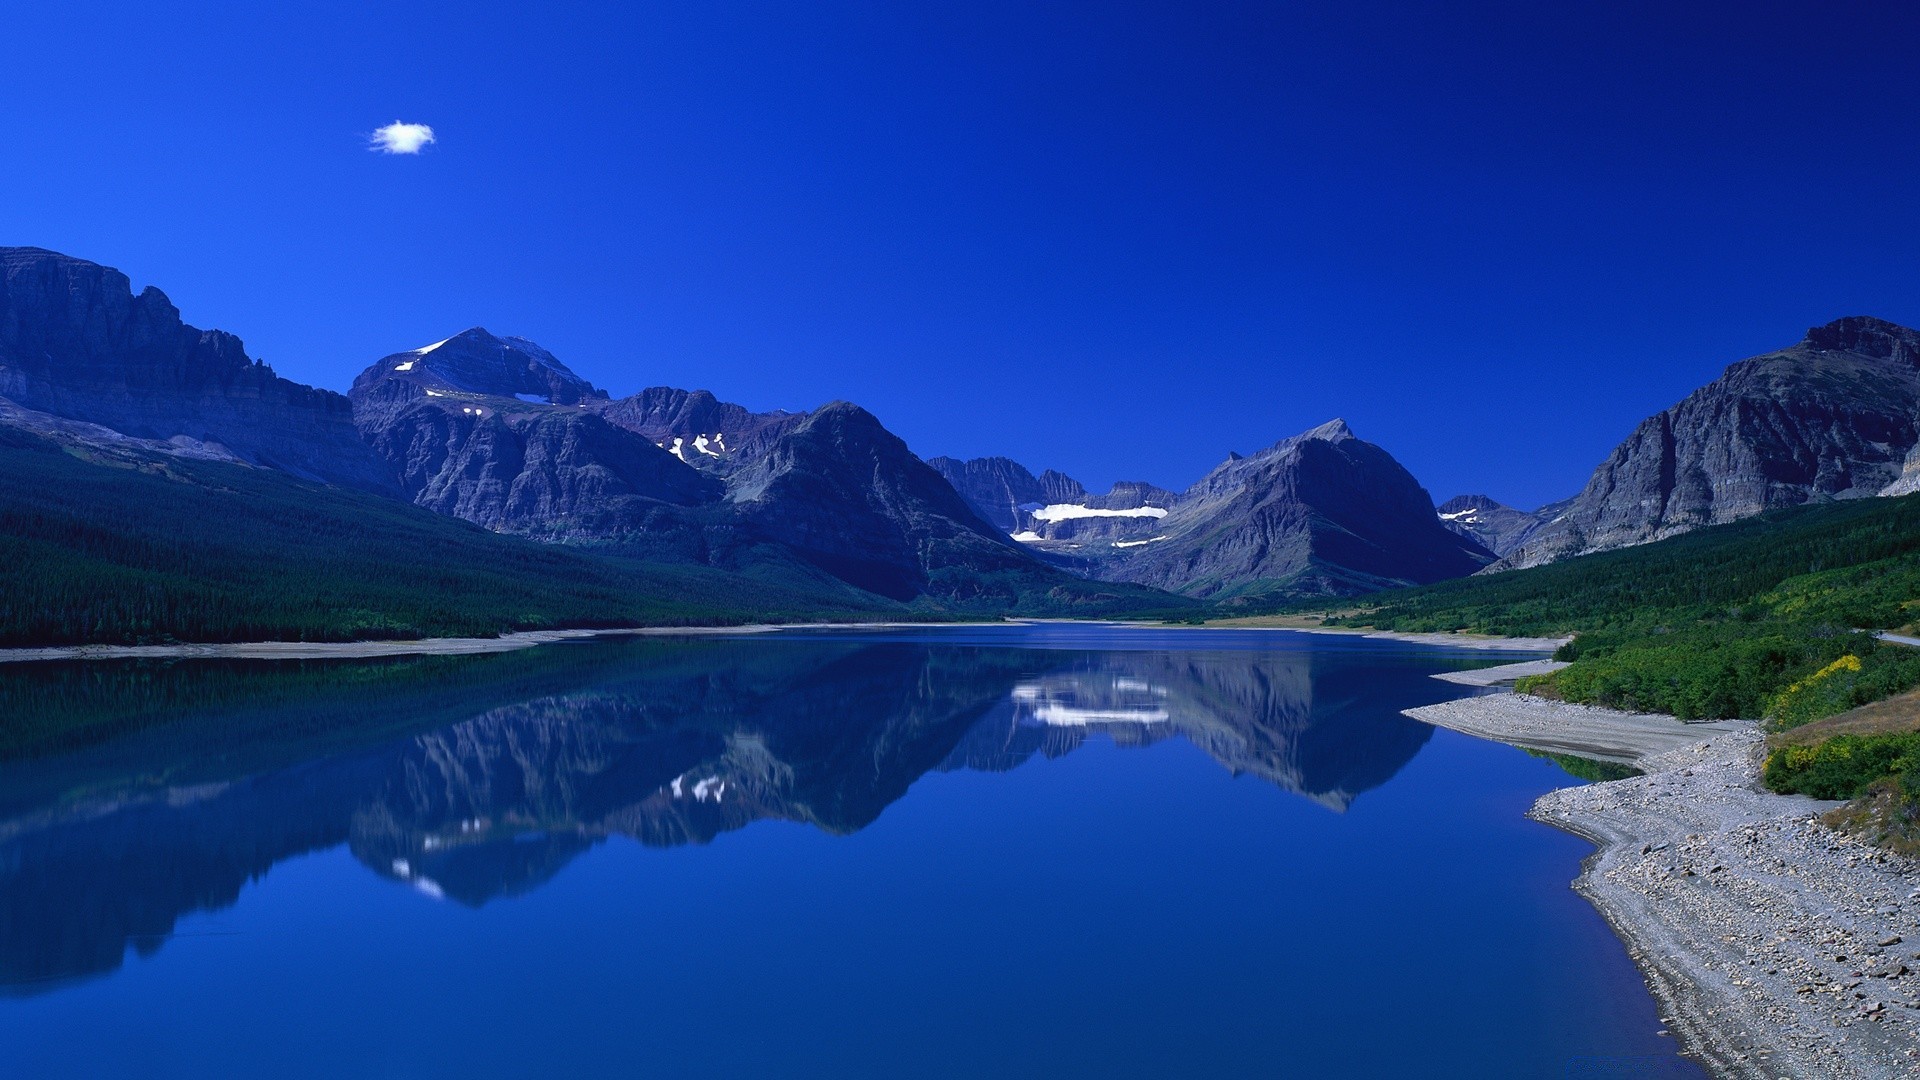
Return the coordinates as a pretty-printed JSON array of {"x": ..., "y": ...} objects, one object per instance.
[{"x": 1030, "y": 852}]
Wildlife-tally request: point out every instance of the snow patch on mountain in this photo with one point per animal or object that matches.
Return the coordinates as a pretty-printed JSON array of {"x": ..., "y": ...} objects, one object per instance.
[{"x": 1067, "y": 511}]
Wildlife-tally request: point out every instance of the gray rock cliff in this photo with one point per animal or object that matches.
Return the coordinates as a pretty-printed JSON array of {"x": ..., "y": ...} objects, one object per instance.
[
  {"x": 1322, "y": 512},
  {"x": 1836, "y": 416},
  {"x": 77, "y": 344}
]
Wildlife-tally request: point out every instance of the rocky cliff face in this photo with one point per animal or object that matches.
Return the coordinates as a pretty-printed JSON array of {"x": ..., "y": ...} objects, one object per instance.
[
  {"x": 77, "y": 344},
  {"x": 455, "y": 422},
  {"x": 849, "y": 496},
  {"x": 1836, "y": 416},
  {"x": 700, "y": 429},
  {"x": 1001, "y": 489},
  {"x": 1322, "y": 512},
  {"x": 669, "y": 473}
]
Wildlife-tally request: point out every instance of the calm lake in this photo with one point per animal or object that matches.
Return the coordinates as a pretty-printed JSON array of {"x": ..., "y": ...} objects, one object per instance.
[{"x": 1022, "y": 852}]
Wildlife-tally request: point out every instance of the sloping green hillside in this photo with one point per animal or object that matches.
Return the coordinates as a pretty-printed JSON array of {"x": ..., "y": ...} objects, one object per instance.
[
  {"x": 132, "y": 550},
  {"x": 112, "y": 548},
  {"x": 1756, "y": 618}
]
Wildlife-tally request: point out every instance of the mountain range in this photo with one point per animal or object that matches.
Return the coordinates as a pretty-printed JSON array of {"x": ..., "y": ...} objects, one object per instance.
[{"x": 498, "y": 432}]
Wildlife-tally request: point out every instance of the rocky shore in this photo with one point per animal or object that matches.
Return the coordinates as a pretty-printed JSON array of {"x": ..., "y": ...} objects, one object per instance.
[
  {"x": 1776, "y": 947},
  {"x": 1560, "y": 728}
]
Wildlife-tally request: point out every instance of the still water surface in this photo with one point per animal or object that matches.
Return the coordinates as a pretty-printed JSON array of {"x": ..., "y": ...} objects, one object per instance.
[{"x": 1021, "y": 852}]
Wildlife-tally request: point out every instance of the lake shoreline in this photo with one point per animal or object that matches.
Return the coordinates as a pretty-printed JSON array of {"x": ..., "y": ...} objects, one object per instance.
[
  {"x": 440, "y": 646},
  {"x": 1491, "y": 642},
  {"x": 1735, "y": 902},
  {"x": 527, "y": 639}
]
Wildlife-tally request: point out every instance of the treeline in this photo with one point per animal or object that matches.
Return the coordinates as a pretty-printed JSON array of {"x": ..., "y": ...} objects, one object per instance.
[
  {"x": 1760, "y": 618},
  {"x": 140, "y": 552}
]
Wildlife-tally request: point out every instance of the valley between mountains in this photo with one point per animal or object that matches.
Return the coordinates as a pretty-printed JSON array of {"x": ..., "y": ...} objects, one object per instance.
[{"x": 672, "y": 505}]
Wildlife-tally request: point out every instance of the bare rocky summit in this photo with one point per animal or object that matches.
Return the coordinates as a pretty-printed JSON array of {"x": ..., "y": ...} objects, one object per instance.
[
  {"x": 1836, "y": 416},
  {"x": 1323, "y": 512},
  {"x": 499, "y": 432}
]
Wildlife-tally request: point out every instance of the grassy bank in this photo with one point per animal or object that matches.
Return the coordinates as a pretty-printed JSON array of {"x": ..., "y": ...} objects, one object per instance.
[
  {"x": 1768, "y": 618},
  {"x": 125, "y": 551},
  {"x": 1761, "y": 618}
]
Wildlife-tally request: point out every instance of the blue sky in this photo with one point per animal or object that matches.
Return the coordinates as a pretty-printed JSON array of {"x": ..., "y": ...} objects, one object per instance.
[{"x": 1115, "y": 239}]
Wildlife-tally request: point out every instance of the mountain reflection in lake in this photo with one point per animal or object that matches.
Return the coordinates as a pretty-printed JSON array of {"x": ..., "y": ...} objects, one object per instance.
[{"x": 144, "y": 793}]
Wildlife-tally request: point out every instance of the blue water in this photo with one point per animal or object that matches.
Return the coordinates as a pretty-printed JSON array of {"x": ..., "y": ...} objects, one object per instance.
[{"x": 1020, "y": 852}]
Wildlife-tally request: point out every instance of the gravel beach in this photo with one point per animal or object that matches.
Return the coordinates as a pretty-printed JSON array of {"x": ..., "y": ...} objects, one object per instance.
[
  {"x": 1776, "y": 947},
  {"x": 1559, "y": 728}
]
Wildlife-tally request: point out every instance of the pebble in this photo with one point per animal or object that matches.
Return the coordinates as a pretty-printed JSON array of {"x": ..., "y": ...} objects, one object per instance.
[{"x": 1784, "y": 941}]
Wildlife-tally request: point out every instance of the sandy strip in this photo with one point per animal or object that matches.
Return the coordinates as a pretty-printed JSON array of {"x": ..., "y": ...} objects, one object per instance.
[
  {"x": 1451, "y": 641},
  {"x": 1560, "y": 728},
  {"x": 1503, "y": 673},
  {"x": 361, "y": 650},
  {"x": 1776, "y": 947}
]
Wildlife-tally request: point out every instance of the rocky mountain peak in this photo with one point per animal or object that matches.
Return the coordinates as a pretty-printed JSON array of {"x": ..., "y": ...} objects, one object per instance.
[
  {"x": 1335, "y": 430},
  {"x": 76, "y": 343},
  {"x": 1836, "y": 416},
  {"x": 1468, "y": 503},
  {"x": 1496, "y": 526},
  {"x": 476, "y": 361},
  {"x": 1867, "y": 336},
  {"x": 1322, "y": 511}
]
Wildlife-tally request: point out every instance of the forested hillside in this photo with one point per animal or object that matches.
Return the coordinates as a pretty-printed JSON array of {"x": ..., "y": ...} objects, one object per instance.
[{"x": 1756, "y": 618}]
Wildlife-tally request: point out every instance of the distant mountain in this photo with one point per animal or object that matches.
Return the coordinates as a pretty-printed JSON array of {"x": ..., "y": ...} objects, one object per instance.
[
  {"x": 1319, "y": 513},
  {"x": 85, "y": 360},
  {"x": 476, "y": 362},
  {"x": 1002, "y": 491},
  {"x": 1494, "y": 525},
  {"x": 699, "y": 429},
  {"x": 1836, "y": 416},
  {"x": 499, "y": 432},
  {"x": 1054, "y": 513}
]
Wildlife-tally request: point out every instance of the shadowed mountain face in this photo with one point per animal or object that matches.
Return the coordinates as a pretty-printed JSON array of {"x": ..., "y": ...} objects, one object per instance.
[
  {"x": 1494, "y": 525},
  {"x": 497, "y": 431},
  {"x": 1320, "y": 513},
  {"x": 83, "y": 358},
  {"x": 1836, "y": 416},
  {"x": 662, "y": 742},
  {"x": 1004, "y": 492}
]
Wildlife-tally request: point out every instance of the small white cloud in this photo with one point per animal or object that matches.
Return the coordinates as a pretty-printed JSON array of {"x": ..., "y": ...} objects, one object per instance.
[{"x": 399, "y": 138}]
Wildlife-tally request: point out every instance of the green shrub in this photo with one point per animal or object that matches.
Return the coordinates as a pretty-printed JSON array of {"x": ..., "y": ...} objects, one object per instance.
[{"x": 1844, "y": 766}]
